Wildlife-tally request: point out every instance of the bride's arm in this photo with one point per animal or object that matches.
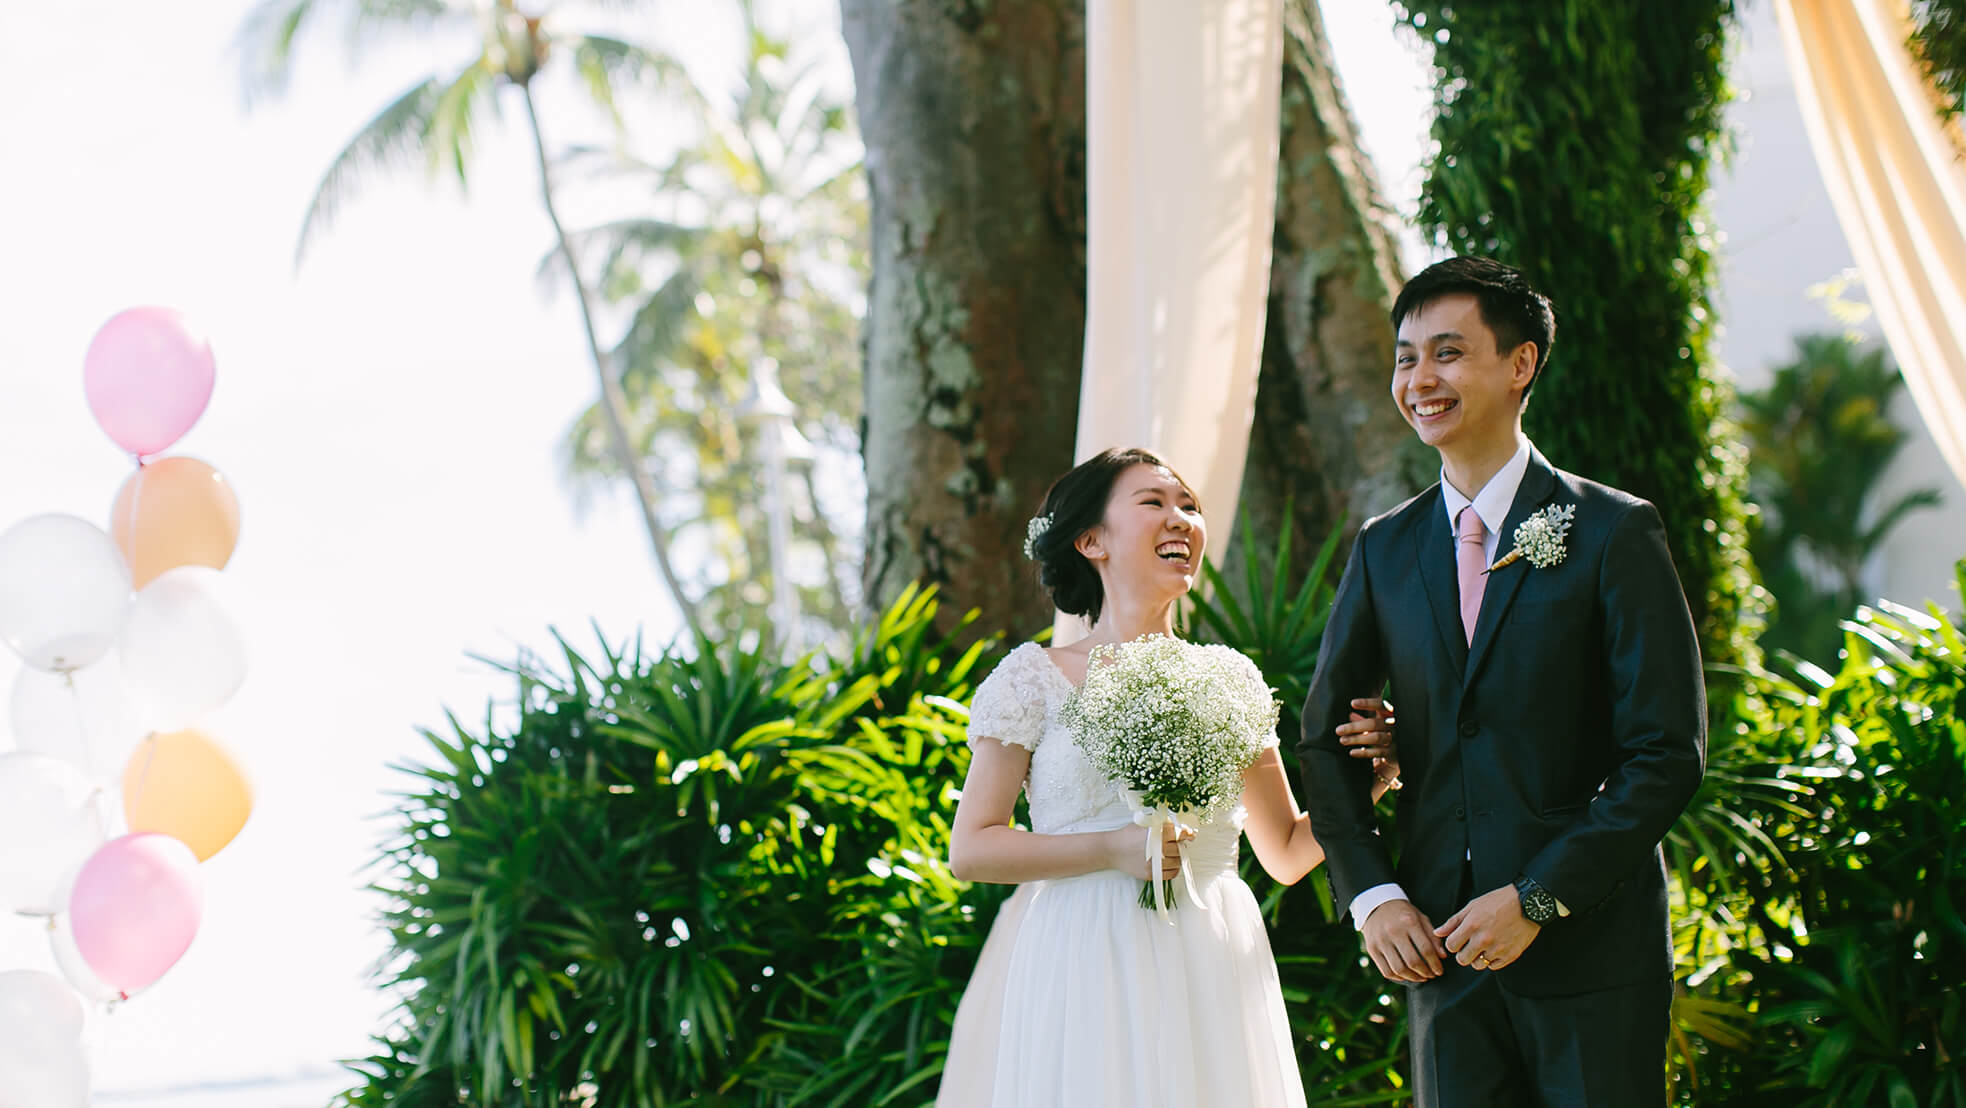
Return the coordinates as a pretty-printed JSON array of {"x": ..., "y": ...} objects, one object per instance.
[
  {"x": 1279, "y": 832},
  {"x": 984, "y": 847}
]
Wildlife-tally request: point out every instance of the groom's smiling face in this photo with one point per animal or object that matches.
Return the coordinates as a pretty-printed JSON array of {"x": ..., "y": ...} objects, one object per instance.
[{"x": 1452, "y": 382}]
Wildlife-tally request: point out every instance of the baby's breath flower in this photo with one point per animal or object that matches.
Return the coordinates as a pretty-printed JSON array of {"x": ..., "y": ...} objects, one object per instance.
[
  {"x": 1172, "y": 722},
  {"x": 1033, "y": 531}
]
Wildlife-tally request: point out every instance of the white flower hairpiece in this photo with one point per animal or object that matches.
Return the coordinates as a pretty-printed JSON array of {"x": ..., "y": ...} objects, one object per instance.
[
  {"x": 1540, "y": 538},
  {"x": 1033, "y": 531}
]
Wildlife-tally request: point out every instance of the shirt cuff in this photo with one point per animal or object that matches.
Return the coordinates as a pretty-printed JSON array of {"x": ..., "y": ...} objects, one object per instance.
[{"x": 1366, "y": 902}]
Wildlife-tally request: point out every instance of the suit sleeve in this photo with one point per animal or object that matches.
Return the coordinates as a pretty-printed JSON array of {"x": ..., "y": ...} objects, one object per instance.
[
  {"x": 1338, "y": 787},
  {"x": 1658, "y": 720}
]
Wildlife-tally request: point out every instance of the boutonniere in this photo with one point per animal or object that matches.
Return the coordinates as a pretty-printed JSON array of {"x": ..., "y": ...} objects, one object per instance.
[{"x": 1540, "y": 538}]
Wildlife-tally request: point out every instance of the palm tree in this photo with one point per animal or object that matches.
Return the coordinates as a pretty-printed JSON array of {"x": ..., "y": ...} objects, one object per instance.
[
  {"x": 749, "y": 265},
  {"x": 434, "y": 122},
  {"x": 1820, "y": 438}
]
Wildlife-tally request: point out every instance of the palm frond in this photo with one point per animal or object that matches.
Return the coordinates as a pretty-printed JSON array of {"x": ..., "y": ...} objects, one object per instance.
[
  {"x": 448, "y": 139},
  {"x": 630, "y": 244},
  {"x": 265, "y": 45},
  {"x": 1899, "y": 509},
  {"x": 808, "y": 120},
  {"x": 636, "y": 244},
  {"x": 607, "y": 63},
  {"x": 266, "y": 40},
  {"x": 396, "y": 138},
  {"x": 835, "y": 176},
  {"x": 590, "y": 160},
  {"x": 658, "y": 327}
]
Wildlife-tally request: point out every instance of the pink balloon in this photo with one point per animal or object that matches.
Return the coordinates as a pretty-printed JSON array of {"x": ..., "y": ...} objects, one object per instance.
[
  {"x": 135, "y": 907},
  {"x": 148, "y": 378}
]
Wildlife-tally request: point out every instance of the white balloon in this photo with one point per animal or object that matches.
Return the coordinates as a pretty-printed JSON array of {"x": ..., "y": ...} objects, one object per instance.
[
  {"x": 43, "y": 1056},
  {"x": 90, "y": 722},
  {"x": 68, "y": 956},
  {"x": 182, "y": 653},
  {"x": 48, "y": 1079},
  {"x": 64, "y": 591},
  {"x": 38, "y": 1011},
  {"x": 75, "y": 968},
  {"x": 48, "y": 826}
]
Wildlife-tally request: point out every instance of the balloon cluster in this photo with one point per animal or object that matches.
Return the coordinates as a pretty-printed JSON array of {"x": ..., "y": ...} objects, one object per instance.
[{"x": 127, "y": 647}]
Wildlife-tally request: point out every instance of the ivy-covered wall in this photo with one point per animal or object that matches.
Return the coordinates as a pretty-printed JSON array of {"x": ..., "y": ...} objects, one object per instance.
[{"x": 1575, "y": 144}]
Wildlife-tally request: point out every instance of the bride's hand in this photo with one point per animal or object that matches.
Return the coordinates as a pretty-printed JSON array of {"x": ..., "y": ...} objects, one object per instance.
[
  {"x": 1370, "y": 733},
  {"x": 1130, "y": 857}
]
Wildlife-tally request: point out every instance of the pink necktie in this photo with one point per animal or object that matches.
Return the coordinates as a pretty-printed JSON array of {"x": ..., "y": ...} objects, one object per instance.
[{"x": 1469, "y": 563}]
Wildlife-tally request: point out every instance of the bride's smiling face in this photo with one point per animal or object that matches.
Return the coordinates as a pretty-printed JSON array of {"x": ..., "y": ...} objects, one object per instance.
[{"x": 1151, "y": 540}]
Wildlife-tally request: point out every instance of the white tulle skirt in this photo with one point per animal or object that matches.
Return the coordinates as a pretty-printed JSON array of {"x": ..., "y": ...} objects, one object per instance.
[{"x": 1082, "y": 999}]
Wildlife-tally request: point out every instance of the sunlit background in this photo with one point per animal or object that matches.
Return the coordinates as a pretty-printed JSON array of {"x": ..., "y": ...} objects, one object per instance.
[{"x": 393, "y": 413}]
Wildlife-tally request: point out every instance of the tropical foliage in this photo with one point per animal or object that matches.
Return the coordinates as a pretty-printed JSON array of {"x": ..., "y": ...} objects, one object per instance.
[
  {"x": 708, "y": 877},
  {"x": 1938, "y": 42},
  {"x": 1839, "y": 976},
  {"x": 745, "y": 267},
  {"x": 743, "y": 263},
  {"x": 1821, "y": 436},
  {"x": 436, "y": 122}
]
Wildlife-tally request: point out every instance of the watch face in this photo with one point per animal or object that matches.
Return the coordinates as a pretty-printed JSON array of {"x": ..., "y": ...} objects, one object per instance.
[{"x": 1538, "y": 906}]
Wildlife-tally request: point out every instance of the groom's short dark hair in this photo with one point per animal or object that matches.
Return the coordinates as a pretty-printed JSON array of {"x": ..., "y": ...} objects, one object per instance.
[{"x": 1510, "y": 305}]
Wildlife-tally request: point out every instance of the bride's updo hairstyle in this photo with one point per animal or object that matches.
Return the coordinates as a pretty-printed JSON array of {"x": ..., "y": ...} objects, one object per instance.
[{"x": 1075, "y": 504}]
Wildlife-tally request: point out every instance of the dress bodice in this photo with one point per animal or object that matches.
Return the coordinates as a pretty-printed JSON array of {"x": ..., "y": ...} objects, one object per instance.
[{"x": 1021, "y": 703}]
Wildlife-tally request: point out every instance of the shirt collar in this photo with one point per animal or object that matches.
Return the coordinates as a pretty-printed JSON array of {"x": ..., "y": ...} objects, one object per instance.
[{"x": 1495, "y": 499}]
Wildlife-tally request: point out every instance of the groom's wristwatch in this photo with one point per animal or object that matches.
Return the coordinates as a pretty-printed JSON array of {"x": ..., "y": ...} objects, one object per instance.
[{"x": 1538, "y": 904}]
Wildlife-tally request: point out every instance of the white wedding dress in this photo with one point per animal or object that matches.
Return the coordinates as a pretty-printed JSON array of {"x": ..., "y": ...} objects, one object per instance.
[{"x": 1081, "y": 998}]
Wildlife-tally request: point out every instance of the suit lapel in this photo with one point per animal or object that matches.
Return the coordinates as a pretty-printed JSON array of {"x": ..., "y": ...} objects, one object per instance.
[
  {"x": 1538, "y": 485},
  {"x": 1433, "y": 552}
]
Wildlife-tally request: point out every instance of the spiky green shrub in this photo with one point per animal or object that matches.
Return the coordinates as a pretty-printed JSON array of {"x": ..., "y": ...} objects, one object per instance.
[
  {"x": 1848, "y": 970},
  {"x": 704, "y": 877}
]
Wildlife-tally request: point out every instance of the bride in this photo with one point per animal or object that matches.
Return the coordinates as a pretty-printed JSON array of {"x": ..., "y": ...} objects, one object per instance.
[{"x": 1082, "y": 998}]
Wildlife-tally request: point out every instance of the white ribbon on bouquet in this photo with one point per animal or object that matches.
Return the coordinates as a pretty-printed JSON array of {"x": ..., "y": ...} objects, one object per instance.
[{"x": 1157, "y": 820}]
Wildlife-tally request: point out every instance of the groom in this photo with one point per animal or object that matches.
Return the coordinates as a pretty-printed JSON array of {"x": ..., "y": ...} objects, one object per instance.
[{"x": 1551, "y": 728}]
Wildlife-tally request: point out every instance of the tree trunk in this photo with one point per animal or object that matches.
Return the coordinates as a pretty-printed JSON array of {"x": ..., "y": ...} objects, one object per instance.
[
  {"x": 973, "y": 115},
  {"x": 1327, "y": 439}
]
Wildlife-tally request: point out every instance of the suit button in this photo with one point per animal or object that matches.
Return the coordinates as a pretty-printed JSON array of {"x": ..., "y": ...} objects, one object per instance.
[
  {"x": 1469, "y": 728},
  {"x": 1460, "y": 812}
]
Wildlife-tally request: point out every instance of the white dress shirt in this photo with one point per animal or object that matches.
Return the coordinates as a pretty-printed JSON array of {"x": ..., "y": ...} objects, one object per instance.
[{"x": 1492, "y": 504}]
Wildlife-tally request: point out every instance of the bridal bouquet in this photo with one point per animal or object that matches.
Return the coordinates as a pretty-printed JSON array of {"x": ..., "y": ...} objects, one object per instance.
[{"x": 1175, "y": 724}]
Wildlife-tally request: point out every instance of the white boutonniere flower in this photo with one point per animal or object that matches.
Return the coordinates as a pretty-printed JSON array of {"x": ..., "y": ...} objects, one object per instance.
[{"x": 1540, "y": 538}]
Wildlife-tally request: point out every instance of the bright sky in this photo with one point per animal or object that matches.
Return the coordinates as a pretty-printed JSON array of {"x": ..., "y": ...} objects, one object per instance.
[{"x": 389, "y": 416}]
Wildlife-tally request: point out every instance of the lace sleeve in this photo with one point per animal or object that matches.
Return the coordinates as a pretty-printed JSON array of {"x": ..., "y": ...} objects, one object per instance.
[{"x": 1010, "y": 704}]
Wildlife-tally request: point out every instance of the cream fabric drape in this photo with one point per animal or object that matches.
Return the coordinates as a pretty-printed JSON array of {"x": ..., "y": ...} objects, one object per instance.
[
  {"x": 1899, "y": 189},
  {"x": 1181, "y": 157}
]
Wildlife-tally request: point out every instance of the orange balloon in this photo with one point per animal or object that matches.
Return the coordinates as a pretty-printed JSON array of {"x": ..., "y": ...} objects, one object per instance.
[
  {"x": 185, "y": 785},
  {"x": 174, "y": 512}
]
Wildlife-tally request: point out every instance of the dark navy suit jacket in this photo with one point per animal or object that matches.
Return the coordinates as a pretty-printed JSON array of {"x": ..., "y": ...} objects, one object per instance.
[{"x": 1561, "y": 745}]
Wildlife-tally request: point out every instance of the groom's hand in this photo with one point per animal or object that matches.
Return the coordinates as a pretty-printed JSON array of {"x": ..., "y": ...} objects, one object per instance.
[
  {"x": 1401, "y": 940},
  {"x": 1491, "y": 931}
]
